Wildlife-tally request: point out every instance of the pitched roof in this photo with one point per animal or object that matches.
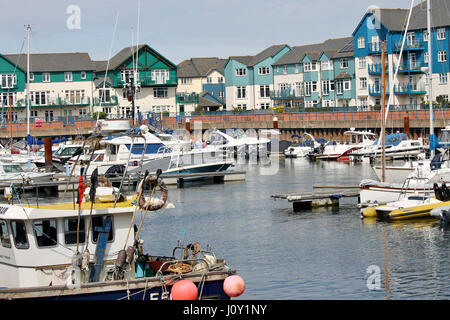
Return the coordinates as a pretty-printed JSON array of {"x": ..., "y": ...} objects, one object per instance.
[
  {"x": 54, "y": 62},
  {"x": 123, "y": 55},
  {"x": 251, "y": 61},
  {"x": 200, "y": 67},
  {"x": 204, "y": 101},
  {"x": 314, "y": 50},
  {"x": 440, "y": 14}
]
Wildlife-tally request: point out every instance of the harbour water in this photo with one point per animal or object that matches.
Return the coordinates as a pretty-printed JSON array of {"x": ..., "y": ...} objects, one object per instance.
[{"x": 322, "y": 253}]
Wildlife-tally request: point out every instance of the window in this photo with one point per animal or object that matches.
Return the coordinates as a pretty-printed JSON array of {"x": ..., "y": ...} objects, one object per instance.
[
  {"x": 299, "y": 89},
  {"x": 314, "y": 86},
  {"x": 31, "y": 76},
  {"x": 443, "y": 78},
  {"x": 263, "y": 70},
  {"x": 209, "y": 80},
  {"x": 361, "y": 43},
  {"x": 107, "y": 110},
  {"x": 363, "y": 83},
  {"x": 67, "y": 76},
  {"x": 297, "y": 68},
  {"x": 34, "y": 113},
  {"x": 160, "y": 92},
  {"x": 186, "y": 80},
  {"x": 242, "y": 106},
  {"x": 19, "y": 233},
  {"x": 70, "y": 231},
  {"x": 46, "y": 77},
  {"x": 285, "y": 71},
  {"x": 220, "y": 79},
  {"x": 339, "y": 87},
  {"x": 8, "y": 80},
  {"x": 45, "y": 232},
  {"x": 264, "y": 91},
  {"x": 8, "y": 98},
  {"x": 159, "y": 76},
  {"x": 74, "y": 96},
  {"x": 344, "y": 63},
  {"x": 83, "y": 75},
  {"x": 265, "y": 105},
  {"x": 327, "y": 65},
  {"x": 221, "y": 94},
  {"x": 241, "y": 72},
  {"x": 127, "y": 75},
  {"x": 411, "y": 37},
  {"x": 241, "y": 93},
  {"x": 104, "y": 95},
  {"x": 4, "y": 234},
  {"x": 426, "y": 57},
  {"x": 40, "y": 98},
  {"x": 425, "y": 35},
  {"x": 82, "y": 112},
  {"x": 307, "y": 89},
  {"x": 309, "y": 66},
  {"x": 283, "y": 86},
  {"x": 99, "y": 222},
  {"x": 48, "y": 115},
  {"x": 327, "y": 86},
  {"x": 363, "y": 102},
  {"x": 441, "y": 34},
  {"x": 362, "y": 63},
  {"x": 442, "y": 56},
  {"x": 347, "y": 85}
]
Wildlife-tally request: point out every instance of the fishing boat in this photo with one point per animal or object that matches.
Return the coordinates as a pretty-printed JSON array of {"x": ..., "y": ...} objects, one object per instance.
[
  {"x": 341, "y": 151},
  {"x": 92, "y": 251},
  {"x": 301, "y": 150}
]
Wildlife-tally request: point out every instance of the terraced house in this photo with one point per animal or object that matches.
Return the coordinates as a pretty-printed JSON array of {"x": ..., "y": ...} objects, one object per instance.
[
  {"x": 68, "y": 85},
  {"x": 60, "y": 85},
  {"x": 388, "y": 25},
  {"x": 156, "y": 77},
  {"x": 315, "y": 75},
  {"x": 201, "y": 85},
  {"x": 249, "y": 79}
]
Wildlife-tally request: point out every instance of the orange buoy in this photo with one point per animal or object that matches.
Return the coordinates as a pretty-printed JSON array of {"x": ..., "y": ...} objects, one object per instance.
[
  {"x": 184, "y": 290},
  {"x": 234, "y": 286}
]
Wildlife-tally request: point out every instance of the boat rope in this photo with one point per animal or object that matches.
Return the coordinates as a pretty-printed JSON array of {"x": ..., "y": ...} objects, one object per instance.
[
  {"x": 128, "y": 290},
  {"x": 202, "y": 284},
  {"x": 145, "y": 288}
]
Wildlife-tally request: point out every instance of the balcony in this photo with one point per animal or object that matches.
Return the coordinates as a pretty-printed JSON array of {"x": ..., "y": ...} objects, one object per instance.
[
  {"x": 187, "y": 98},
  {"x": 409, "y": 45},
  {"x": 409, "y": 88},
  {"x": 411, "y": 67},
  {"x": 113, "y": 101},
  {"x": 286, "y": 94},
  {"x": 375, "y": 47},
  {"x": 375, "y": 69},
  {"x": 58, "y": 102},
  {"x": 375, "y": 90}
]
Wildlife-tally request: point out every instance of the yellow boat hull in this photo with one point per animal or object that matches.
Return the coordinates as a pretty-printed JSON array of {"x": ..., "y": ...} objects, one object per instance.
[
  {"x": 421, "y": 211},
  {"x": 370, "y": 212}
]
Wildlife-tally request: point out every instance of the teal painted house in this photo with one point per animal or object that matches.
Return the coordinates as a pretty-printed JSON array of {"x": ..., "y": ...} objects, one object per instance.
[{"x": 249, "y": 79}]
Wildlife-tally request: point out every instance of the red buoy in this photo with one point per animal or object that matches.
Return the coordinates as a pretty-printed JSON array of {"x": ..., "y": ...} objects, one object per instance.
[
  {"x": 234, "y": 286},
  {"x": 184, "y": 290}
]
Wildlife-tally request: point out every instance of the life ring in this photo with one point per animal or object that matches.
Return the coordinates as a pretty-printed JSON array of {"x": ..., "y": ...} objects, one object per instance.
[{"x": 152, "y": 204}]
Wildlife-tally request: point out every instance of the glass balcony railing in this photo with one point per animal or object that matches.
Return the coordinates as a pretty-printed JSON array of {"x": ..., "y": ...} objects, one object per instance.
[
  {"x": 376, "y": 68},
  {"x": 286, "y": 94},
  {"x": 409, "y": 88}
]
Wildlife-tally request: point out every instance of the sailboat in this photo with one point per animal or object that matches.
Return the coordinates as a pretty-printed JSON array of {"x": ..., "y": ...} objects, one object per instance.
[{"x": 375, "y": 192}]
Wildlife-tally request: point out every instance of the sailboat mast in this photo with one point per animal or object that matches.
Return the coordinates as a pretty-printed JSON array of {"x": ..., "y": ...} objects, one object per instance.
[
  {"x": 430, "y": 74},
  {"x": 28, "y": 80},
  {"x": 383, "y": 106}
]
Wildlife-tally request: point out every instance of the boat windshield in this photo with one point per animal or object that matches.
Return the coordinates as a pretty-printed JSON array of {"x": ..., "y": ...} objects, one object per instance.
[
  {"x": 12, "y": 168},
  {"x": 66, "y": 151},
  {"x": 445, "y": 137}
]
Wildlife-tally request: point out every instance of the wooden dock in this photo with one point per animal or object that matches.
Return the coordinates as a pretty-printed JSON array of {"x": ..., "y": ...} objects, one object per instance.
[
  {"x": 61, "y": 182},
  {"x": 308, "y": 200}
]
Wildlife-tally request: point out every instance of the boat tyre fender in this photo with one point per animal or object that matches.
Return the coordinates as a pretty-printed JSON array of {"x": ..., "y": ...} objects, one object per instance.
[{"x": 153, "y": 204}]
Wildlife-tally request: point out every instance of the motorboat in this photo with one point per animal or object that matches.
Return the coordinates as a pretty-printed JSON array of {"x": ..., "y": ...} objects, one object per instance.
[
  {"x": 302, "y": 149},
  {"x": 411, "y": 206},
  {"x": 90, "y": 250},
  {"x": 397, "y": 146},
  {"x": 341, "y": 151},
  {"x": 15, "y": 173}
]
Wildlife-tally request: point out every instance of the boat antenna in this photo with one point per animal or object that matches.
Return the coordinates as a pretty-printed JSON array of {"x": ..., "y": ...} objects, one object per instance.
[
  {"x": 430, "y": 78},
  {"x": 28, "y": 84},
  {"x": 102, "y": 94}
]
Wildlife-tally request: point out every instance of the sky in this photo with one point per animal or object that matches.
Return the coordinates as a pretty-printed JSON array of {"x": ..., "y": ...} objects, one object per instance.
[{"x": 177, "y": 29}]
